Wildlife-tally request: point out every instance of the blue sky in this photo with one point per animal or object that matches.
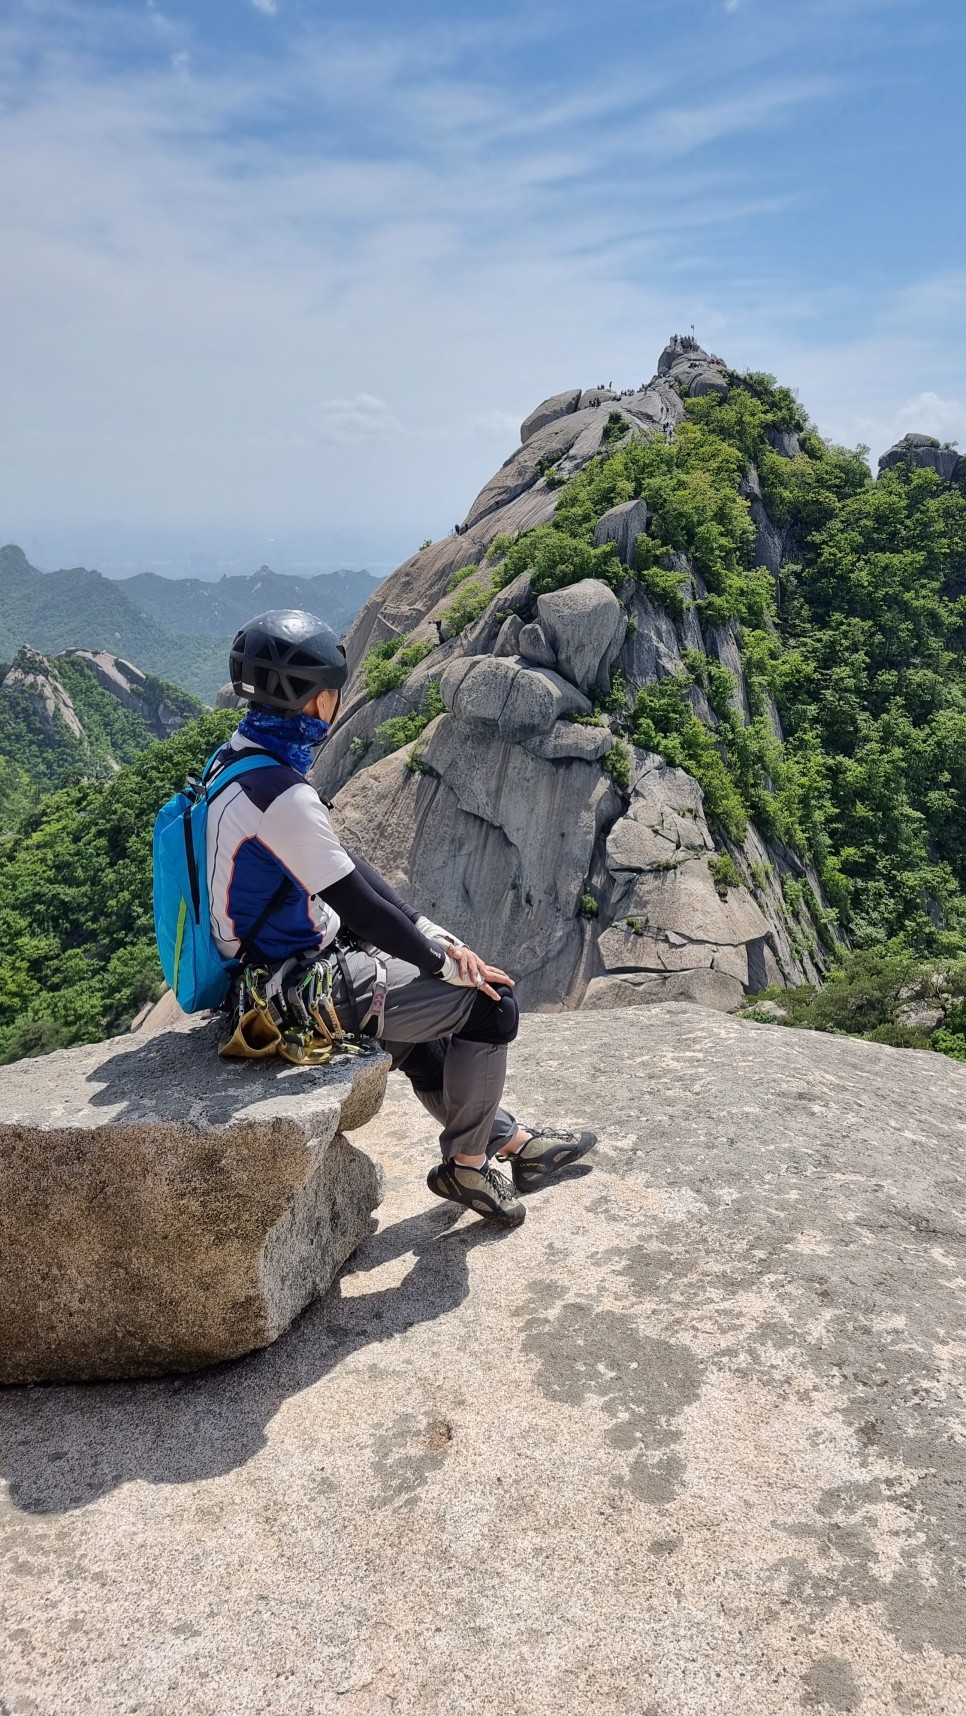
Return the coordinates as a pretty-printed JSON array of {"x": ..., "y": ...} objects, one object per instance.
[{"x": 279, "y": 280}]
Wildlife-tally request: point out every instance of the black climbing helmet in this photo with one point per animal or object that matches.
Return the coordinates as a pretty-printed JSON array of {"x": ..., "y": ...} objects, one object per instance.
[{"x": 283, "y": 658}]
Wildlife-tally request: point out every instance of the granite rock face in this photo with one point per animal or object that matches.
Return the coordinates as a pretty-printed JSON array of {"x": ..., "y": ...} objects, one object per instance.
[
  {"x": 517, "y": 684},
  {"x": 31, "y": 676},
  {"x": 495, "y": 832},
  {"x": 585, "y": 626},
  {"x": 227, "y": 698},
  {"x": 691, "y": 370},
  {"x": 925, "y": 452},
  {"x": 497, "y": 691},
  {"x": 132, "y": 688},
  {"x": 623, "y": 525},
  {"x": 559, "y": 406},
  {"x": 698, "y": 1426},
  {"x": 673, "y": 932},
  {"x": 35, "y": 682},
  {"x": 163, "y": 1209}
]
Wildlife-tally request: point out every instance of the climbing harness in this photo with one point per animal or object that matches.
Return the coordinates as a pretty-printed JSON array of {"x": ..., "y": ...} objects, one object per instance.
[{"x": 290, "y": 1012}]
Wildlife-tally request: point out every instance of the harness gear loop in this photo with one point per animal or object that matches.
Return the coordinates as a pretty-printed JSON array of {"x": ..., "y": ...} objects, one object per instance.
[{"x": 289, "y": 1012}]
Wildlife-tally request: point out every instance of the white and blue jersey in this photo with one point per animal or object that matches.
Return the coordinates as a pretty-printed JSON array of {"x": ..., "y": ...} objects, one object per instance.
[{"x": 269, "y": 825}]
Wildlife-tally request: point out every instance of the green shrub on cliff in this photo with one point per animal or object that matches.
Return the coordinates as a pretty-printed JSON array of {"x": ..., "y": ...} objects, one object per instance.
[
  {"x": 471, "y": 600},
  {"x": 860, "y": 646},
  {"x": 401, "y": 730},
  {"x": 666, "y": 587},
  {"x": 886, "y": 996},
  {"x": 388, "y": 665},
  {"x": 555, "y": 557}
]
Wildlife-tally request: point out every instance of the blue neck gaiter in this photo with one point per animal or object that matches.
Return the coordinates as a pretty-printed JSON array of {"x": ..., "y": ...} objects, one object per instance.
[{"x": 290, "y": 738}]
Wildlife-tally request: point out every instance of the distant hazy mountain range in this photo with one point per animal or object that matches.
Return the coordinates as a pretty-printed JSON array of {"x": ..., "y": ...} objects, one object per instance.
[{"x": 176, "y": 628}]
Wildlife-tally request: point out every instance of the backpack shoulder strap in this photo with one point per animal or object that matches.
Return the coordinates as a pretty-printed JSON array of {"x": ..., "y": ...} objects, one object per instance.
[{"x": 242, "y": 764}]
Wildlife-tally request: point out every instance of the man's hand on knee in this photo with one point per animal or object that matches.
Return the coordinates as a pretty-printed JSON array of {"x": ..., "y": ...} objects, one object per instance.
[{"x": 475, "y": 973}]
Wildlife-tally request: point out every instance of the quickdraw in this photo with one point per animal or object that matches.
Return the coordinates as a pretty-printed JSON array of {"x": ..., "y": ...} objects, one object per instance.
[{"x": 291, "y": 1013}]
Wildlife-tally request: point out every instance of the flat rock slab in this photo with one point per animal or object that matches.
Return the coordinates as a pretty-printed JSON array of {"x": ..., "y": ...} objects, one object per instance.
[
  {"x": 163, "y": 1209},
  {"x": 688, "y": 1443}
]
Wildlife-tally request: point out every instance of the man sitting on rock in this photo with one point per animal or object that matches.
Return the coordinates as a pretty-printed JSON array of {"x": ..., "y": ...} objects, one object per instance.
[{"x": 445, "y": 1015}]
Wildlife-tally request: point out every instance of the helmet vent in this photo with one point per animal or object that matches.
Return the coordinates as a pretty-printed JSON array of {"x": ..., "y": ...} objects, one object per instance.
[{"x": 285, "y": 657}]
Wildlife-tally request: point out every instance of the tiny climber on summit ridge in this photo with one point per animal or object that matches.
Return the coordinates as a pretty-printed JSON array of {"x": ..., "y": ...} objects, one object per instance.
[{"x": 286, "y": 895}]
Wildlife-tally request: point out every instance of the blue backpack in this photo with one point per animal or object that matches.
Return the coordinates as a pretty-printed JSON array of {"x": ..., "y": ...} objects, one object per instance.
[{"x": 198, "y": 974}]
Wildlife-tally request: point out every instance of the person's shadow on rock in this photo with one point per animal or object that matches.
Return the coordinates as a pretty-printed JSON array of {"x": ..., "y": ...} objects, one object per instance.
[
  {"x": 180, "y": 1072},
  {"x": 63, "y": 1446}
]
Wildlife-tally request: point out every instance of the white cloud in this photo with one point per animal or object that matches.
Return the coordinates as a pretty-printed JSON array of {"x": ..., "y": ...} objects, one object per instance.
[
  {"x": 862, "y": 382},
  {"x": 269, "y": 7},
  {"x": 355, "y": 419},
  {"x": 160, "y": 20},
  {"x": 213, "y": 313},
  {"x": 928, "y": 412},
  {"x": 679, "y": 130}
]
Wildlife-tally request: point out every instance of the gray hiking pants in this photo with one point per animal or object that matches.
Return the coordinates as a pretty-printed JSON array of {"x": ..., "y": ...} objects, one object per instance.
[{"x": 423, "y": 1010}]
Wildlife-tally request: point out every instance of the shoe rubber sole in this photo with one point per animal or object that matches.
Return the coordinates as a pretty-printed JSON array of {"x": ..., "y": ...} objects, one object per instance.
[
  {"x": 482, "y": 1202},
  {"x": 562, "y": 1150}
]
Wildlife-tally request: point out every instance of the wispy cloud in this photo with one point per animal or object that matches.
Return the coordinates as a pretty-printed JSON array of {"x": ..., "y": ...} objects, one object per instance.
[
  {"x": 677, "y": 130},
  {"x": 934, "y": 415},
  {"x": 502, "y": 423},
  {"x": 356, "y": 419},
  {"x": 269, "y": 7},
  {"x": 928, "y": 413}
]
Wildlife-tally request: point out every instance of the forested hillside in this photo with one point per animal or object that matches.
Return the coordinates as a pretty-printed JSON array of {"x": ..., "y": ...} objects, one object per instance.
[
  {"x": 861, "y": 640},
  {"x": 178, "y": 629},
  {"x": 60, "y": 610},
  {"x": 793, "y": 638},
  {"x": 77, "y": 953},
  {"x": 219, "y": 607},
  {"x": 78, "y": 715}
]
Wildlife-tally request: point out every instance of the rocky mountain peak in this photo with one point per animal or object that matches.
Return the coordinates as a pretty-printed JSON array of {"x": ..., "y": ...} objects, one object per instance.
[
  {"x": 81, "y": 712},
  {"x": 588, "y": 867},
  {"x": 34, "y": 679},
  {"x": 692, "y": 370},
  {"x": 925, "y": 452},
  {"x": 150, "y": 698},
  {"x": 14, "y": 562}
]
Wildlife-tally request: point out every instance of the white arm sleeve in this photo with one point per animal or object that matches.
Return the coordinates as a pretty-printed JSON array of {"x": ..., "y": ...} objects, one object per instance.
[{"x": 435, "y": 932}]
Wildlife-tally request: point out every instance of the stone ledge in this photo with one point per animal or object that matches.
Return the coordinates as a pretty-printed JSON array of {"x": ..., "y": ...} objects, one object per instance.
[{"x": 163, "y": 1209}]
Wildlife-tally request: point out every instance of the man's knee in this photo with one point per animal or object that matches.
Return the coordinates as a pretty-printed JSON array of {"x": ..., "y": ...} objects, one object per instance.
[{"x": 492, "y": 1021}]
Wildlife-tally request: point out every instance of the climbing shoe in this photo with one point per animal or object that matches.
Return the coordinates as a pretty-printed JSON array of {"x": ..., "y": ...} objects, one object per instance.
[
  {"x": 543, "y": 1153},
  {"x": 480, "y": 1189}
]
